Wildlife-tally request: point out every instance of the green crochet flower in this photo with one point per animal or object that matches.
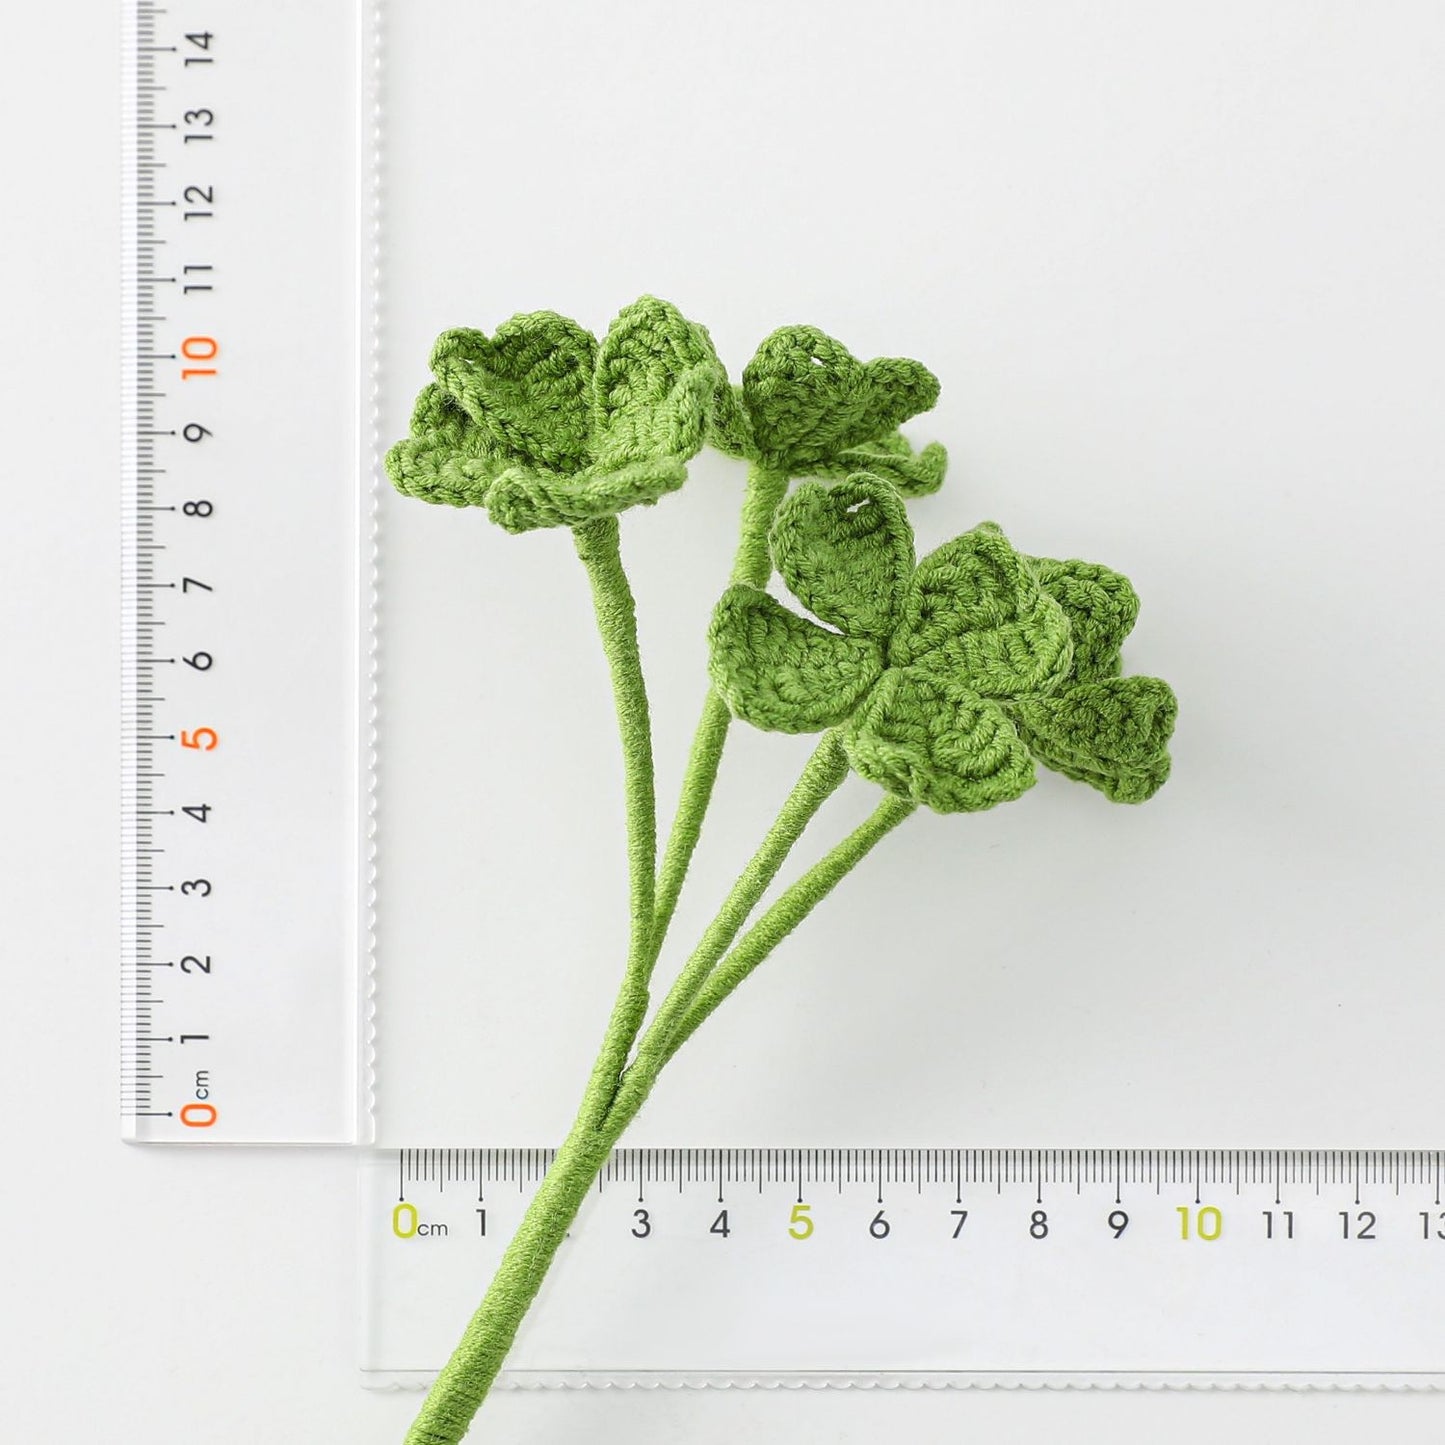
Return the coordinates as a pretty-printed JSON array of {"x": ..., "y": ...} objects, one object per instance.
[
  {"x": 545, "y": 427},
  {"x": 1099, "y": 728},
  {"x": 807, "y": 407},
  {"x": 950, "y": 675}
]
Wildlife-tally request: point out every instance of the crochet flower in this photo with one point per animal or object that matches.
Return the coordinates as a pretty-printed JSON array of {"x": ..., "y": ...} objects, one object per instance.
[
  {"x": 545, "y": 427},
  {"x": 947, "y": 676},
  {"x": 807, "y": 407},
  {"x": 1099, "y": 727}
]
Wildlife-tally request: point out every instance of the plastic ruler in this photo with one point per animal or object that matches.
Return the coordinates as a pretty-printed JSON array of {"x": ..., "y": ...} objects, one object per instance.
[
  {"x": 929, "y": 1266},
  {"x": 249, "y": 153},
  {"x": 246, "y": 544}
]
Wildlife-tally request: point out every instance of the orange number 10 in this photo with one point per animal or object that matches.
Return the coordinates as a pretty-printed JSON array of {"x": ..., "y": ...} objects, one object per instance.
[{"x": 199, "y": 348}]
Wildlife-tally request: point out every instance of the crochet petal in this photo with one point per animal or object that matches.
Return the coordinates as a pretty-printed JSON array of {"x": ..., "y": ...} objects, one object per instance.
[
  {"x": 656, "y": 379},
  {"x": 782, "y": 672},
  {"x": 439, "y": 461},
  {"x": 1112, "y": 735},
  {"x": 891, "y": 457},
  {"x": 846, "y": 553},
  {"x": 933, "y": 741},
  {"x": 808, "y": 398},
  {"x": 521, "y": 499},
  {"x": 527, "y": 389},
  {"x": 731, "y": 431},
  {"x": 975, "y": 612},
  {"x": 1101, "y": 607},
  {"x": 613, "y": 489},
  {"x": 435, "y": 474},
  {"x": 439, "y": 419}
]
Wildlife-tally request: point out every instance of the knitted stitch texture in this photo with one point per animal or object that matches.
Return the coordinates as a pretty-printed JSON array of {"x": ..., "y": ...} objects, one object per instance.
[
  {"x": 798, "y": 377},
  {"x": 943, "y": 681},
  {"x": 544, "y": 426},
  {"x": 948, "y": 676},
  {"x": 808, "y": 407}
]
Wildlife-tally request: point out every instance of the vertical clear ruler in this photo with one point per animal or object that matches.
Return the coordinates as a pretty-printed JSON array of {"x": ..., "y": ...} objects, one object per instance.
[
  {"x": 246, "y": 569},
  {"x": 927, "y": 1266}
]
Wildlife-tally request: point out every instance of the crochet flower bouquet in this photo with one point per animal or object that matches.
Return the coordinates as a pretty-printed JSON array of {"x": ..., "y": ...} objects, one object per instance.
[{"x": 942, "y": 681}]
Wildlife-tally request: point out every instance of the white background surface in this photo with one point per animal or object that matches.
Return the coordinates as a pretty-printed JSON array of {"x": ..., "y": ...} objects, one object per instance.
[
  {"x": 168, "y": 1298},
  {"x": 1177, "y": 269}
]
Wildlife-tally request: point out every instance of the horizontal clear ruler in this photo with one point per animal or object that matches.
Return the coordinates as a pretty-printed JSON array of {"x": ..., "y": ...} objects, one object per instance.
[
  {"x": 927, "y": 1266},
  {"x": 245, "y": 571}
]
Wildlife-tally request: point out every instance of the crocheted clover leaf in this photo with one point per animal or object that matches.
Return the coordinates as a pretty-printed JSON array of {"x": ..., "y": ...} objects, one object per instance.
[
  {"x": 1112, "y": 735},
  {"x": 544, "y": 427},
  {"x": 806, "y": 401},
  {"x": 1099, "y": 728},
  {"x": 1101, "y": 607},
  {"x": 892, "y": 458},
  {"x": 975, "y": 610},
  {"x": 923, "y": 656},
  {"x": 932, "y": 740}
]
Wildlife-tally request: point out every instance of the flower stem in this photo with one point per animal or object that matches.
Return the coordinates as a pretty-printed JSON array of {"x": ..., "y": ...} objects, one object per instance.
[
  {"x": 699, "y": 990},
  {"x": 793, "y": 905},
  {"x": 697, "y": 784},
  {"x": 598, "y": 546},
  {"x": 753, "y": 565},
  {"x": 820, "y": 778},
  {"x": 463, "y": 1383},
  {"x": 765, "y": 491}
]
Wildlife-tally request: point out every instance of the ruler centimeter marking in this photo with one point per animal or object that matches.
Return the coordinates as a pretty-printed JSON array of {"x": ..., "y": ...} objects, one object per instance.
[
  {"x": 1232, "y": 1170},
  {"x": 138, "y": 581},
  {"x": 244, "y": 513},
  {"x": 1210, "y": 1266}
]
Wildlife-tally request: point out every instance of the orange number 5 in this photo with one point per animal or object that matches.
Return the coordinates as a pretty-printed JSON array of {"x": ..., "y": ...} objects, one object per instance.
[{"x": 203, "y": 738}]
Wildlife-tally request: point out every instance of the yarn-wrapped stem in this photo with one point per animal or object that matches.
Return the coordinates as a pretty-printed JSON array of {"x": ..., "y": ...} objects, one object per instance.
[
  {"x": 599, "y": 547},
  {"x": 821, "y": 777},
  {"x": 671, "y": 1028},
  {"x": 793, "y": 905},
  {"x": 468, "y": 1375},
  {"x": 766, "y": 488},
  {"x": 458, "y": 1391}
]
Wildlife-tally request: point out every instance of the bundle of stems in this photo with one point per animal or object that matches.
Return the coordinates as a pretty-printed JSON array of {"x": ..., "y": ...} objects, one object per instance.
[
  {"x": 942, "y": 681},
  {"x": 632, "y": 1057}
]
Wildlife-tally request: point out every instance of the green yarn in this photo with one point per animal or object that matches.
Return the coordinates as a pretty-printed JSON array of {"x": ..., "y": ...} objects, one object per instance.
[
  {"x": 459, "y": 1389},
  {"x": 545, "y": 427},
  {"x": 1101, "y": 607},
  {"x": 762, "y": 497},
  {"x": 598, "y": 547},
  {"x": 698, "y": 781},
  {"x": 794, "y": 904},
  {"x": 1112, "y": 735},
  {"x": 846, "y": 553},
  {"x": 765, "y": 489},
  {"x": 822, "y": 776},
  {"x": 783, "y": 673},
  {"x": 929, "y": 738},
  {"x": 463, "y": 1383},
  {"x": 943, "y": 673},
  {"x": 944, "y": 681},
  {"x": 975, "y": 612},
  {"x": 806, "y": 399},
  {"x": 891, "y": 457}
]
